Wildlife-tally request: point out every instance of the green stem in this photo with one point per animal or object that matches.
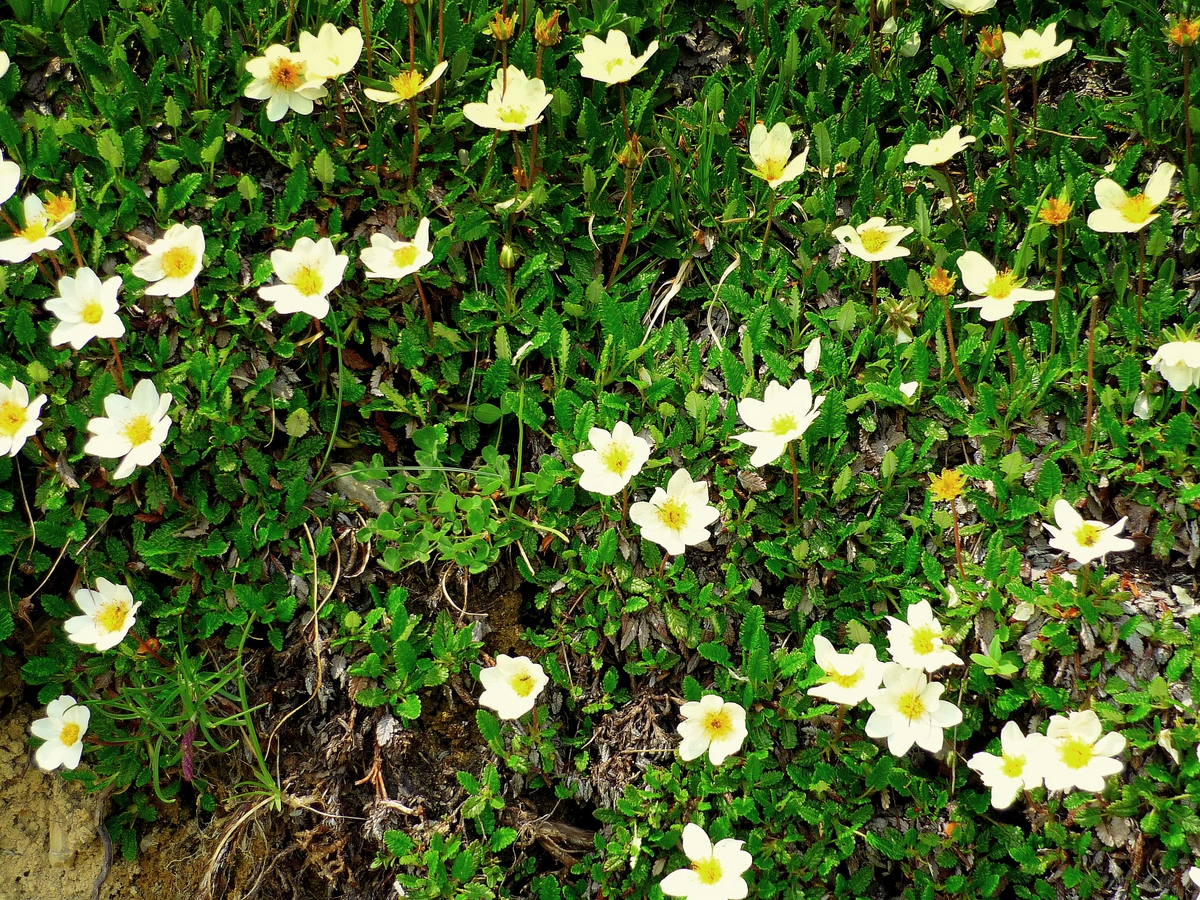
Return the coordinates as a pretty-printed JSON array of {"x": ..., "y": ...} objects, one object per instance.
[
  {"x": 1062, "y": 237},
  {"x": 795, "y": 484},
  {"x": 1091, "y": 361},
  {"x": 1012, "y": 159}
]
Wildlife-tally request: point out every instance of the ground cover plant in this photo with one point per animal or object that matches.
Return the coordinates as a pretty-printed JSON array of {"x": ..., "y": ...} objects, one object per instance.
[{"x": 749, "y": 449}]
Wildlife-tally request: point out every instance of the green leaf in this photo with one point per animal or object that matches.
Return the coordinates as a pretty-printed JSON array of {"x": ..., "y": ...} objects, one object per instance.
[
  {"x": 323, "y": 168},
  {"x": 1049, "y": 483},
  {"x": 111, "y": 149}
]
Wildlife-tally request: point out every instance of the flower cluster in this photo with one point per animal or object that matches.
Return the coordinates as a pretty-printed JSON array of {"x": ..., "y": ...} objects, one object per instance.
[{"x": 290, "y": 80}]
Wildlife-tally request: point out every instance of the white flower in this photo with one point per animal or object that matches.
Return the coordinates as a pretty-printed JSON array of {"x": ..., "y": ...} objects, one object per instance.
[
  {"x": 309, "y": 272},
  {"x": 1179, "y": 363},
  {"x": 874, "y": 240},
  {"x": 1078, "y": 756},
  {"x": 917, "y": 643},
  {"x": 133, "y": 430},
  {"x": 713, "y": 725},
  {"x": 1141, "y": 405},
  {"x": 10, "y": 177},
  {"x": 716, "y": 871},
  {"x": 939, "y": 150},
  {"x": 1032, "y": 49},
  {"x": 611, "y": 60},
  {"x": 1193, "y": 873},
  {"x": 771, "y": 153},
  {"x": 108, "y": 614},
  {"x": 1121, "y": 213},
  {"x": 283, "y": 79},
  {"x": 1018, "y": 767},
  {"x": 5, "y": 62},
  {"x": 850, "y": 678},
  {"x": 969, "y": 7},
  {"x": 513, "y": 104},
  {"x": 1000, "y": 291},
  {"x": 908, "y": 388},
  {"x": 35, "y": 237},
  {"x": 62, "y": 730},
  {"x": 18, "y": 417},
  {"x": 407, "y": 85},
  {"x": 812, "y": 355},
  {"x": 781, "y": 416},
  {"x": 614, "y": 459},
  {"x": 386, "y": 258},
  {"x": 911, "y": 45},
  {"x": 908, "y": 710},
  {"x": 511, "y": 687},
  {"x": 173, "y": 261},
  {"x": 86, "y": 308},
  {"x": 331, "y": 54},
  {"x": 1085, "y": 540},
  {"x": 676, "y": 518}
]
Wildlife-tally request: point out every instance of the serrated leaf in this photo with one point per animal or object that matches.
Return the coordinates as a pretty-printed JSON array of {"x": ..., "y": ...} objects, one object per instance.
[
  {"x": 323, "y": 168},
  {"x": 172, "y": 114},
  {"x": 111, "y": 149}
]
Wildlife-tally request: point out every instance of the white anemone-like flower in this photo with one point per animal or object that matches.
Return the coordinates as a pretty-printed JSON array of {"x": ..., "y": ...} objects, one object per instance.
[
  {"x": 969, "y": 7},
  {"x": 614, "y": 459},
  {"x": 1179, "y": 363},
  {"x": 133, "y": 429},
  {"x": 1031, "y": 49},
  {"x": 874, "y": 240},
  {"x": 917, "y": 643},
  {"x": 1080, "y": 754},
  {"x": 1085, "y": 539},
  {"x": 108, "y": 614},
  {"x": 10, "y": 177},
  {"x": 909, "y": 709},
  {"x": 309, "y": 272},
  {"x": 610, "y": 60},
  {"x": 511, "y": 687},
  {"x": 62, "y": 730},
  {"x": 677, "y": 517},
  {"x": 18, "y": 417},
  {"x": 711, "y": 724},
  {"x": 330, "y": 53},
  {"x": 86, "y": 308},
  {"x": 284, "y": 80},
  {"x": 771, "y": 153},
  {"x": 850, "y": 678},
  {"x": 940, "y": 150},
  {"x": 513, "y": 104},
  {"x": 407, "y": 85},
  {"x": 781, "y": 416},
  {"x": 715, "y": 872},
  {"x": 386, "y": 258},
  {"x": 172, "y": 263},
  {"x": 812, "y": 355},
  {"x": 1019, "y": 766},
  {"x": 36, "y": 236},
  {"x": 1121, "y": 213},
  {"x": 5, "y": 62},
  {"x": 999, "y": 292}
]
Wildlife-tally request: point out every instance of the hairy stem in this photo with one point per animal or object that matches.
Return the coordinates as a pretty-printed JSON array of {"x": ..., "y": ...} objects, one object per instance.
[
  {"x": 950, "y": 346},
  {"x": 1091, "y": 371},
  {"x": 1012, "y": 159}
]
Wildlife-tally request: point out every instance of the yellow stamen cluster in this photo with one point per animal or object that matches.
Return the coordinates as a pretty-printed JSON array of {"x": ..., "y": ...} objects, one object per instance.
[
  {"x": 948, "y": 486},
  {"x": 991, "y": 43},
  {"x": 1183, "y": 32},
  {"x": 1055, "y": 212},
  {"x": 941, "y": 282}
]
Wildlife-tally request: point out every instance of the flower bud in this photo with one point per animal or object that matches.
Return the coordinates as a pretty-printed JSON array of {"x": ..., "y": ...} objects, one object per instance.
[
  {"x": 547, "y": 31},
  {"x": 901, "y": 317},
  {"x": 941, "y": 282},
  {"x": 1183, "y": 32},
  {"x": 631, "y": 154},
  {"x": 991, "y": 43},
  {"x": 508, "y": 257},
  {"x": 502, "y": 27}
]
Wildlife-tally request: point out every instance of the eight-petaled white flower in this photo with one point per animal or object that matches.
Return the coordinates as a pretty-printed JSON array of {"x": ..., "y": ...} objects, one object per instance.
[
  {"x": 909, "y": 709},
  {"x": 771, "y": 153},
  {"x": 1031, "y": 49},
  {"x": 969, "y": 7},
  {"x": 330, "y": 53},
  {"x": 999, "y": 292},
  {"x": 511, "y": 687},
  {"x": 939, "y": 150},
  {"x": 62, "y": 730},
  {"x": 874, "y": 240},
  {"x": 407, "y": 85},
  {"x": 133, "y": 429},
  {"x": 1179, "y": 363},
  {"x": 917, "y": 643},
  {"x": 1079, "y": 756},
  {"x": 1085, "y": 539},
  {"x": 18, "y": 417},
  {"x": 386, "y": 258},
  {"x": 10, "y": 177},
  {"x": 513, "y": 104},
  {"x": 781, "y": 416},
  {"x": 615, "y": 458},
  {"x": 36, "y": 236},
  {"x": 715, "y": 872},
  {"x": 1121, "y": 213},
  {"x": 309, "y": 272},
  {"x": 676, "y": 518},
  {"x": 711, "y": 724},
  {"x": 108, "y": 614},
  {"x": 86, "y": 308},
  {"x": 284, "y": 80},
  {"x": 1019, "y": 766},
  {"x": 611, "y": 60},
  {"x": 850, "y": 678},
  {"x": 172, "y": 262}
]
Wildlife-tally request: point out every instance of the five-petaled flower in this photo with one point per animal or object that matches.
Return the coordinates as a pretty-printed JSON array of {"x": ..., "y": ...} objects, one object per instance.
[
  {"x": 108, "y": 613},
  {"x": 173, "y": 261},
  {"x": 1121, "y": 213},
  {"x": 611, "y": 60},
  {"x": 677, "y": 517},
  {"x": 771, "y": 153},
  {"x": 1179, "y": 363},
  {"x": 10, "y": 177},
  {"x": 330, "y": 53},
  {"x": 874, "y": 240},
  {"x": 909, "y": 709},
  {"x": 407, "y": 84},
  {"x": 939, "y": 150},
  {"x": 284, "y": 80},
  {"x": 1080, "y": 754},
  {"x": 133, "y": 429},
  {"x": 917, "y": 643},
  {"x": 1085, "y": 539},
  {"x": 1018, "y": 767},
  {"x": 715, "y": 872},
  {"x": 850, "y": 678},
  {"x": 86, "y": 308},
  {"x": 513, "y": 104},
  {"x": 711, "y": 724},
  {"x": 999, "y": 292},
  {"x": 1030, "y": 49},
  {"x": 62, "y": 730},
  {"x": 36, "y": 236},
  {"x": 309, "y": 272},
  {"x": 783, "y": 415},
  {"x": 511, "y": 687},
  {"x": 615, "y": 458},
  {"x": 386, "y": 258},
  {"x": 18, "y": 417}
]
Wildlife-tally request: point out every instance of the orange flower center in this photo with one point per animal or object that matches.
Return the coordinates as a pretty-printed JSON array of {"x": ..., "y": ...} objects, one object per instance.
[
  {"x": 286, "y": 74},
  {"x": 59, "y": 207},
  {"x": 717, "y": 725}
]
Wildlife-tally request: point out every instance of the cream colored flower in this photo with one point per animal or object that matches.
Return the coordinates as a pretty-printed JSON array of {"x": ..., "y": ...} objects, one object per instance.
[
  {"x": 969, "y": 7},
  {"x": 676, "y": 518},
  {"x": 1081, "y": 755},
  {"x": 1085, "y": 540},
  {"x": 715, "y": 872},
  {"x": 35, "y": 237},
  {"x": 513, "y": 104},
  {"x": 1121, "y": 213},
  {"x": 1000, "y": 292},
  {"x": 611, "y": 60},
  {"x": 850, "y": 678},
  {"x": 407, "y": 85},
  {"x": 711, "y": 725},
  {"x": 511, "y": 687},
  {"x": 1179, "y": 363},
  {"x": 173, "y": 261},
  {"x": 62, "y": 730},
  {"x": 309, "y": 272},
  {"x": 386, "y": 258},
  {"x": 783, "y": 415},
  {"x": 330, "y": 53},
  {"x": 614, "y": 459},
  {"x": 86, "y": 308},
  {"x": 283, "y": 79},
  {"x": 1019, "y": 767},
  {"x": 10, "y": 178},
  {"x": 909, "y": 709},
  {"x": 18, "y": 417},
  {"x": 5, "y": 62},
  {"x": 917, "y": 643},
  {"x": 1032, "y": 49},
  {"x": 812, "y": 355},
  {"x": 939, "y": 150},
  {"x": 874, "y": 240},
  {"x": 133, "y": 429},
  {"x": 771, "y": 153},
  {"x": 108, "y": 614}
]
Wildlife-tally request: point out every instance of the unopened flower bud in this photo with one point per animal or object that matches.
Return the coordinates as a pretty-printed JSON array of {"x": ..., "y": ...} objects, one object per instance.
[
  {"x": 508, "y": 257},
  {"x": 502, "y": 27},
  {"x": 631, "y": 154},
  {"x": 991, "y": 43},
  {"x": 901, "y": 316},
  {"x": 547, "y": 31}
]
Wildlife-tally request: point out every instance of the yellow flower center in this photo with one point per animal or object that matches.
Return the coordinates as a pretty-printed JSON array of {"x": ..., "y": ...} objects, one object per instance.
[
  {"x": 405, "y": 256},
  {"x": 407, "y": 85},
  {"x": 1013, "y": 766},
  {"x": 1137, "y": 209},
  {"x": 12, "y": 418},
  {"x": 911, "y": 706},
  {"x": 707, "y": 870},
  {"x": 1002, "y": 285},
  {"x": 923, "y": 640},
  {"x": 110, "y": 617},
  {"x": 948, "y": 486},
  {"x": 846, "y": 681},
  {"x": 69, "y": 734},
  {"x": 717, "y": 725},
  {"x": 873, "y": 239},
  {"x": 781, "y": 425},
  {"x": 514, "y": 115},
  {"x": 92, "y": 312},
  {"x": 616, "y": 63},
  {"x": 1055, "y": 212},
  {"x": 1076, "y": 754},
  {"x": 34, "y": 231},
  {"x": 178, "y": 262},
  {"x": 673, "y": 514},
  {"x": 286, "y": 74},
  {"x": 522, "y": 684},
  {"x": 307, "y": 281},
  {"x": 138, "y": 429},
  {"x": 616, "y": 458},
  {"x": 770, "y": 169},
  {"x": 1031, "y": 53},
  {"x": 59, "y": 207},
  {"x": 1087, "y": 535},
  {"x": 941, "y": 282}
]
